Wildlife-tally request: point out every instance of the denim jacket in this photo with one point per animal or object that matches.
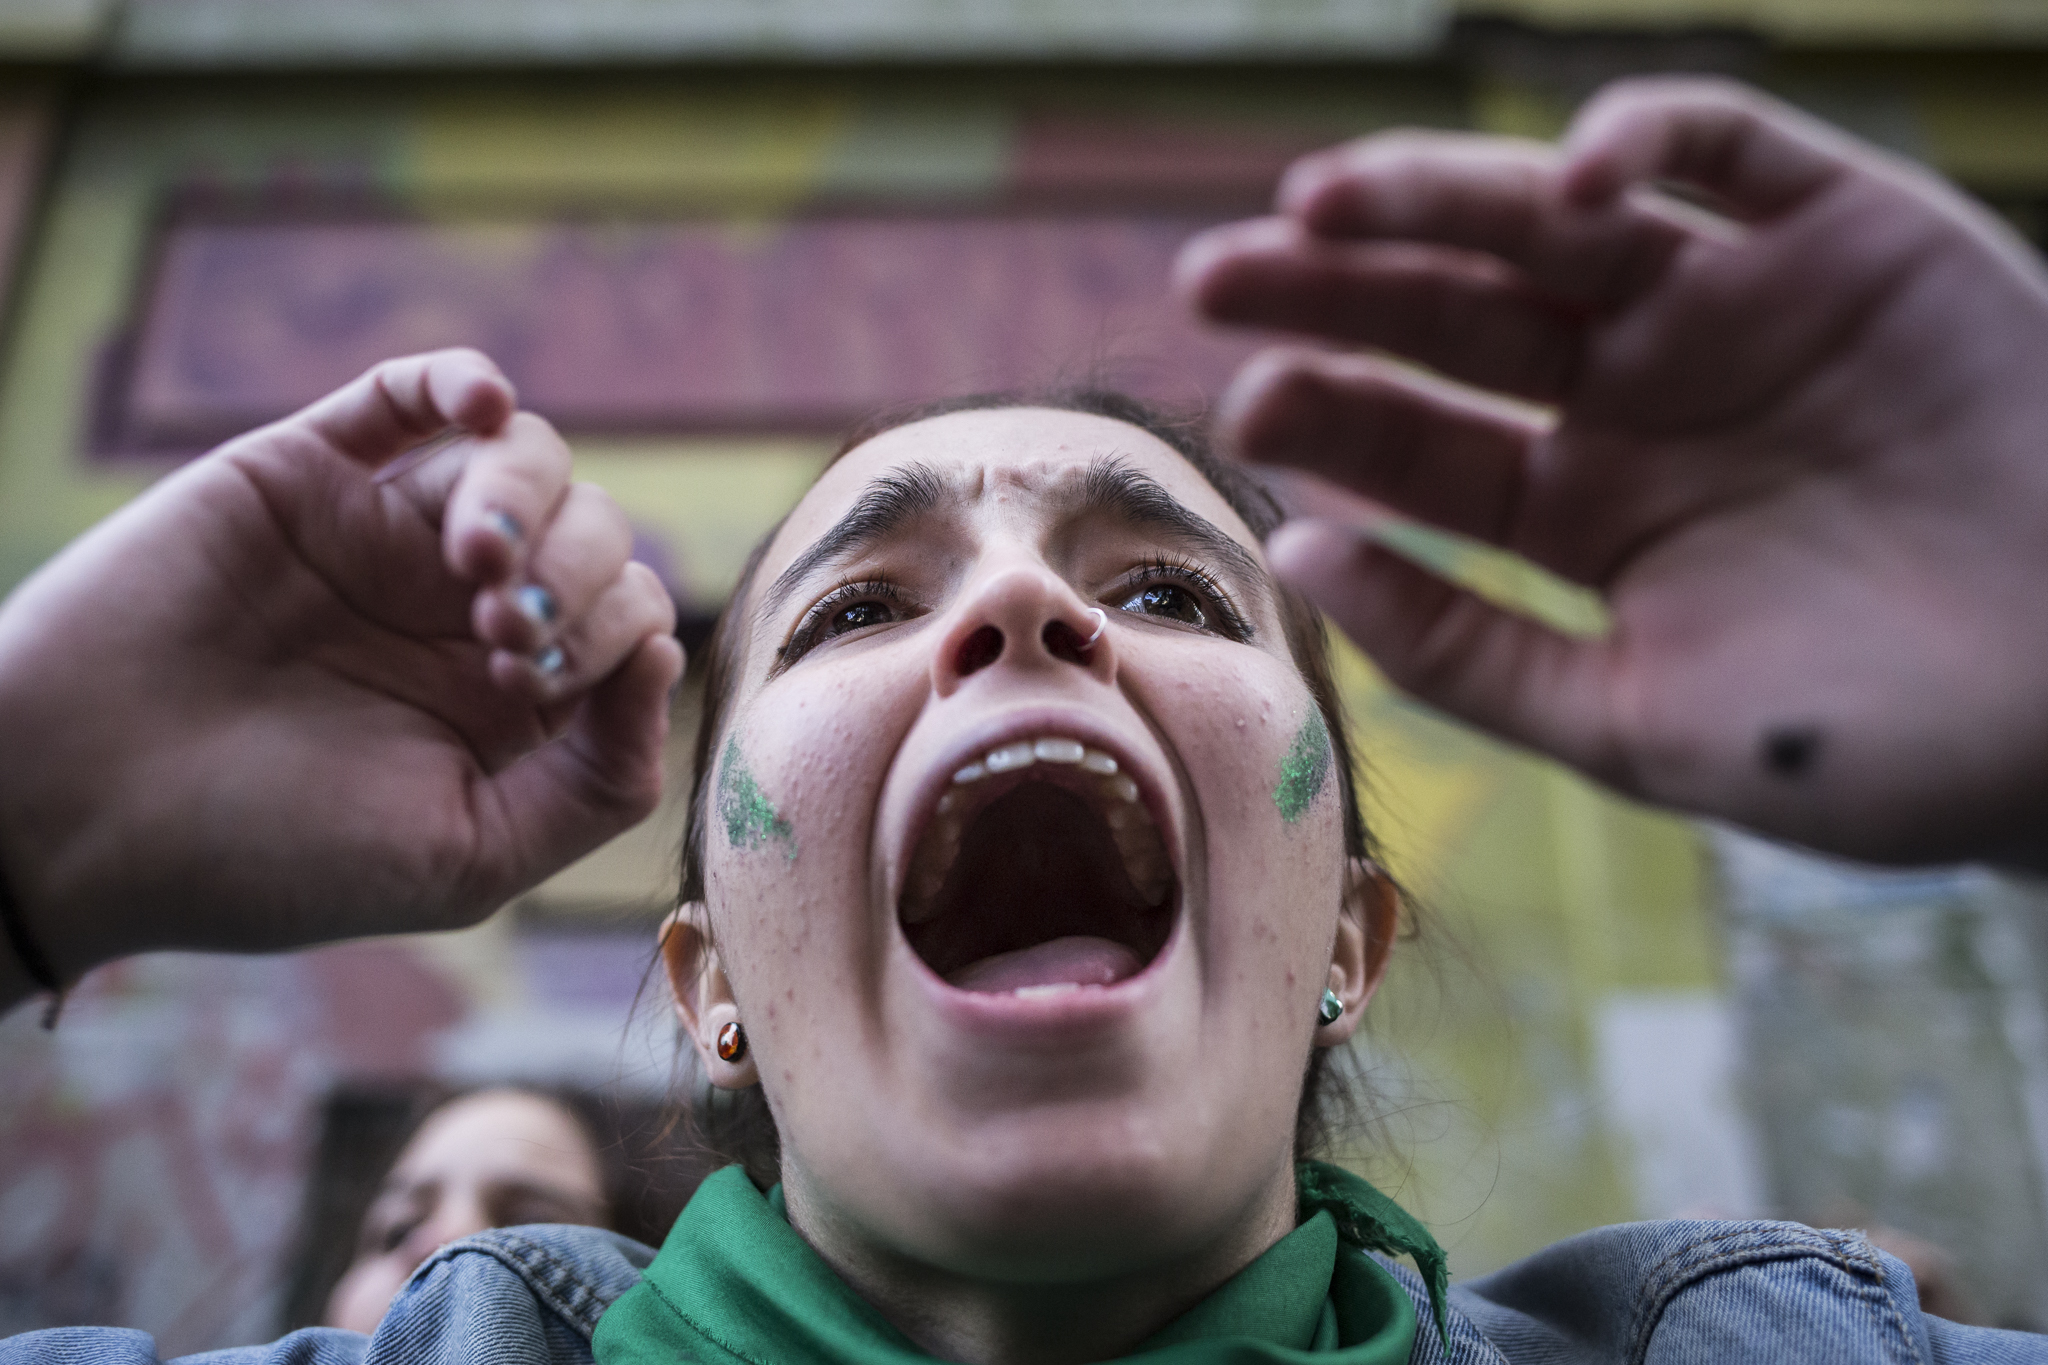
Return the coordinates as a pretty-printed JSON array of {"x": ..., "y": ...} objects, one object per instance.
[{"x": 1673, "y": 1293}]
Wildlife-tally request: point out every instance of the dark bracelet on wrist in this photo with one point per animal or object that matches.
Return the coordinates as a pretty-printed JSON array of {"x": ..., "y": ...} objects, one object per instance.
[{"x": 29, "y": 953}]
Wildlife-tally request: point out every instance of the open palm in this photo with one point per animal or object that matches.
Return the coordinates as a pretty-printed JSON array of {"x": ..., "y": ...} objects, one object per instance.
[{"x": 1799, "y": 443}]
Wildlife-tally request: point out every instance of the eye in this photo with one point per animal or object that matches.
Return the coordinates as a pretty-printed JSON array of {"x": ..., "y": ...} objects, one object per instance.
[
  {"x": 859, "y": 616},
  {"x": 511, "y": 1205},
  {"x": 1168, "y": 600},
  {"x": 386, "y": 1229},
  {"x": 846, "y": 609},
  {"x": 1180, "y": 592}
]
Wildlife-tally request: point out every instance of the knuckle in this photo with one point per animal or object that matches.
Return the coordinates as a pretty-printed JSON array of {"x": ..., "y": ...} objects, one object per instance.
[
  {"x": 534, "y": 434},
  {"x": 642, "y": 579},
  {"x": 596, "y": 501},
  {"x": 652, "y": 592},
  {"x": 598, "y": 527},
  {"x": 469, "y": 354},
  {"x": 1678, "y": 96}
]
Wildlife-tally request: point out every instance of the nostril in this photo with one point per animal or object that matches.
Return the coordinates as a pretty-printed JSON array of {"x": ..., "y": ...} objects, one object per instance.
[
  {"x": 1062, "y": 641},
  {"x": 978, "y": 651}
]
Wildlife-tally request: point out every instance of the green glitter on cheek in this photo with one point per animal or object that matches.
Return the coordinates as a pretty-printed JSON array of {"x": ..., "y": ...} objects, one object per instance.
[
  {"x": 1305, "y": 769},
  {"x": 751, "y": 819}
]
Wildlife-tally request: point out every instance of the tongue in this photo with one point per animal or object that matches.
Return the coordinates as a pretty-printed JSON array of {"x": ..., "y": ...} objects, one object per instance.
[{"x": 1074, "y": 961}]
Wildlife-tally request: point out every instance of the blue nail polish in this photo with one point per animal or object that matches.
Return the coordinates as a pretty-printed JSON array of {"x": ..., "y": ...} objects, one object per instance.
[
  {"x": 550, "y": 661},
  {"x": 536, "y": 604},
  {"x": 505, "y": 524}
]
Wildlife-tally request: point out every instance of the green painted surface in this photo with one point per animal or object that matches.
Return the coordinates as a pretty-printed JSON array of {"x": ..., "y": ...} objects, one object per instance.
[
  {"x": 1304, "y": 769},
  {"x": 751, "y": 819}
]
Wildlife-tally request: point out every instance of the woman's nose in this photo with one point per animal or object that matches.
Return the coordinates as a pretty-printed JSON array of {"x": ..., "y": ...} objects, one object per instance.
[
  {"x": 1023, "y": 616},
  {"x": 454, "y": 1217}
]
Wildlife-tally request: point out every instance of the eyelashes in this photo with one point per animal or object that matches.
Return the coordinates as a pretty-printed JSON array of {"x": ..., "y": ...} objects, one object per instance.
[
  {"x": 1148, "y": 589},
  {"x": 839, "y": 612},
  {"x": 1185, "y": 574}
]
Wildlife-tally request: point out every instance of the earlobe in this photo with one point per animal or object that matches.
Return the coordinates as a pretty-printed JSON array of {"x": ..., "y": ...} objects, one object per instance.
[
  {"x": 1366, "y": 926},
  {"x": 704, "y": 1002}
]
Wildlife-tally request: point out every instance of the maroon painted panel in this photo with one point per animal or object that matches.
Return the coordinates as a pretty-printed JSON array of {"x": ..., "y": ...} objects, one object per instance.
[
  {"x": 693, "y": 326},
  {"x": 1080, "y": 162}
]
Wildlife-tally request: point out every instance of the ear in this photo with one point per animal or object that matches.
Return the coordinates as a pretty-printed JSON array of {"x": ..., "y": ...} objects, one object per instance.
[
  {"x": 1366, "y": 924},
  {"x": 704, "y": 1002}
]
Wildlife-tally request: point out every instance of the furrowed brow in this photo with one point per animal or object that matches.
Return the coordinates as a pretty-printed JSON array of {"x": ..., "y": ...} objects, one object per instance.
[
  {"x": 884, "y": 506},
  {"x": 1112, "y": 488}
]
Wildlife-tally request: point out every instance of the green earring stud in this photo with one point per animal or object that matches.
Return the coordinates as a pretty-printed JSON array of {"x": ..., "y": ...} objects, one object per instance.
[{"x": 1331, "y": 1010}]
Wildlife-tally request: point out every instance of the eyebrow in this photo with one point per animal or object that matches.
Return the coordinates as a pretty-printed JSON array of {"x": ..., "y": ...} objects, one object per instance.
[
  {"x": 1111, "y": 487},
  {"x": 884, "y": 507}
]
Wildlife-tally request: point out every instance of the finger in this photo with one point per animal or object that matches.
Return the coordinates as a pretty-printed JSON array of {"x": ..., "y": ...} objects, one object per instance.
[
  {"x": 1469, "y": 316},
  {"x": 1756, "y": 155},
  {"x": 1430, "y": 449},
  {"x": 590, "y": 646},
  {"x": 396, "y": 404},
  {"x": 1498, "y": 196},
  {"x": 1502, "y": 672},
  {"x": 508, "y": 491},
  {"x": 577, "y": 555},
  {"x": 598, "y": 778}
]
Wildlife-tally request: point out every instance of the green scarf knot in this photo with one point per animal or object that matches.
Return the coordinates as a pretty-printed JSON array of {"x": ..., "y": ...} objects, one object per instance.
[
  {"x": 735, "y": 1285},
  {"x": 1370, "y": 1221}
]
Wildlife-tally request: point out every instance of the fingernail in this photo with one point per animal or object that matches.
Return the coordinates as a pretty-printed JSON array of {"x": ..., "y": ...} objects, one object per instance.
[
  {"x": 550, "y": 661},
  {"x": 536, "y": 604},
  {"x": 505, "y": 524}
]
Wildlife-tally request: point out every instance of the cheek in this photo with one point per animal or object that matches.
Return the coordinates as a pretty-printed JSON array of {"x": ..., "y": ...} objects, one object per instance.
[
  {"x": 786, "y": 867},
  {"x": 359, "y": 1300},
  {"x": 1264, "y": 789}
]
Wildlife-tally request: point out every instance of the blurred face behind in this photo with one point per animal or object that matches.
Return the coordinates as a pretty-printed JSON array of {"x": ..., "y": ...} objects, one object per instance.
[
  {"x": 1027, "y": 932},
  {"x": 498, "y": 1158}
]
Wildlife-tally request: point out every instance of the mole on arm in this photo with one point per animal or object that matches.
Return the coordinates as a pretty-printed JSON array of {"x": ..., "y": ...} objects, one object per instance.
[{"x": 1791, "y": 751}]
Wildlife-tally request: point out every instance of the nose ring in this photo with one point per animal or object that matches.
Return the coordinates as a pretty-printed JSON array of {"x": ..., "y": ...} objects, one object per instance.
[{"x": 1101, "y": 624}]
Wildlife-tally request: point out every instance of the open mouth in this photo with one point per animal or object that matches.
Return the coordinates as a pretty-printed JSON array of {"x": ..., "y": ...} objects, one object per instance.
[{"x": 1040, "y": 871}]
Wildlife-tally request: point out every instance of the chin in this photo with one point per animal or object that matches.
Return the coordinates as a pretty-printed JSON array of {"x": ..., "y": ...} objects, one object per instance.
[{"x": 1077, "y": 1192}]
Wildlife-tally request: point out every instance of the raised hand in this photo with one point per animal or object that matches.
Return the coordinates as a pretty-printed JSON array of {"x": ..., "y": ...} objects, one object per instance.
[
  {"x": 1799, "y": 443},
  {"x": 378, "y": 666}
]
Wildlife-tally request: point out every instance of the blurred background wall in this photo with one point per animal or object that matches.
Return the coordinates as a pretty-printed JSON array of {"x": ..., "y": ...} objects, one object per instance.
[{"x": 702, "y": 235}]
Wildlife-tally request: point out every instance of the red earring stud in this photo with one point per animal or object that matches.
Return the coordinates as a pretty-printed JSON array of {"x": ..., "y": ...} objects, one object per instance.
[{"x": 732, "y": 1042}]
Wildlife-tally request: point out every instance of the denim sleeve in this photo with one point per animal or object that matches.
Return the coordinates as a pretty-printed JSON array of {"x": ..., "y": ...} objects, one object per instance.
[
  {"x": 1954, "y": 1344},
  {"x": 121, "y": 1346},
  {"x": 511, "y": 1296},
  {"x": 1679, "y": 1292}
]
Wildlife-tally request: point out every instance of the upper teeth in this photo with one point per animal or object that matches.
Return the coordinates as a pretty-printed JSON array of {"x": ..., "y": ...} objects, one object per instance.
[
  {"x": 1026, "y": 752},
  {"x": 1144, "y": 854}
]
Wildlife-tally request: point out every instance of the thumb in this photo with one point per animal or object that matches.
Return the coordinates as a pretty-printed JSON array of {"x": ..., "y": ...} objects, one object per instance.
[
  {"x": 397, "y": 404},
  {"x": 1444, "y": 645},
  {"x": 598, "y": 778}
]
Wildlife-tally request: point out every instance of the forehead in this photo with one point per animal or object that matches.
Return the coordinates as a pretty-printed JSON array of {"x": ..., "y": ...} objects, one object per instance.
[
  {"x": 1002, "y": 458},
  {"x": 494, "y": 1125}
]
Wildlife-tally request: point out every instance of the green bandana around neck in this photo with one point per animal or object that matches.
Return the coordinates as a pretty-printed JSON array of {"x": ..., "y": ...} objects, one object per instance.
[{"x": 735, "y": 1285}]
